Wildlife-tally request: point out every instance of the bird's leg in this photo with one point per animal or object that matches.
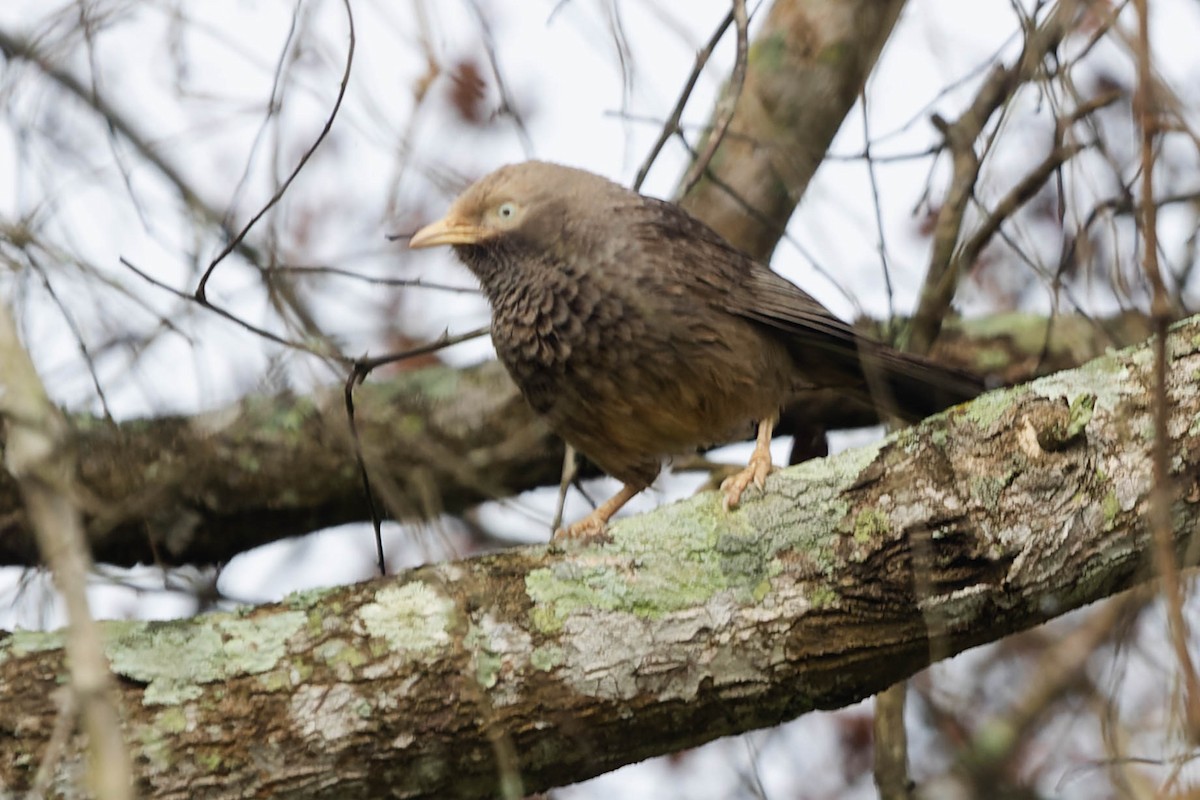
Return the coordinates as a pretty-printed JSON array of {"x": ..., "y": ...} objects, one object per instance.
[
  {"x": 756, "y": 470},
  {"x": 591, "y": 527}
]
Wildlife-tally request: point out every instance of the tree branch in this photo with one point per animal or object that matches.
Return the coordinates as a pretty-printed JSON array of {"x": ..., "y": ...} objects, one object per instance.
[
  {"x": 531, "y": 669},
  {"x": 34, "y": 453}
]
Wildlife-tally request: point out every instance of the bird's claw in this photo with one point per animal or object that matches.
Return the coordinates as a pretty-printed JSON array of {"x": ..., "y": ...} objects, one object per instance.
[
  {"x": 755, "y": 473},
  {"x": 591, "y": 528}
]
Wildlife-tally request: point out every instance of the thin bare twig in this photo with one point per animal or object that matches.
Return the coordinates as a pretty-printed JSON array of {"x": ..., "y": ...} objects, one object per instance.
[
  {"x": 671, "y": 126},
  {"x": 274, "y": 104},
  {"x": 320, "y": 352},
  {"x": 15, "y": 47},
  {"x": 69, "y": 318},
  {"x": 870, "y": 161},
  {"x": 308, "y": 154},
  {"x": 37, "y": 454},
  {"x": 960, "y": 136},
  {"x": 352, "y": 380},
  {"x": 1161, "y": 312},
  {"x": 727, "y": 104},
  {"x": 414, "y": 283},
  {"x": 508, "y": 106},
  {"x": 358, "y": 373}
]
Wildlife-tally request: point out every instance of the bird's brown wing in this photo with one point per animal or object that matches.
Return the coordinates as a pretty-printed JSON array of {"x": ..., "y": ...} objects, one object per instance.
[
  {"x": 828, "y": 351},
  {"x": 737, "y": 284}
]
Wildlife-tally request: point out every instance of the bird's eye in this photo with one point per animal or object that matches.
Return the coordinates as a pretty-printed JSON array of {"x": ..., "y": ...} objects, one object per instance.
[{"x": 507, "y": 210}]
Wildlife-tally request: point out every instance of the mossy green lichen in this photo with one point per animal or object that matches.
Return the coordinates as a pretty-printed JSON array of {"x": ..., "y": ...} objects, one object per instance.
[
  {"x": 1103, "y": 378},
  {"x": 683, "y": 554},
  {"x": 822, "y": 597},
  {"x": 987, "y": 489},
  {"x": 171, "y": 720},
  {"x": 410, "y": 617},
  {"x": 988, "y": 359},
  {"x": 761, "y": 590},
  {"x": 546, "y": 657},
  {"x": 294, "y": 416},
  {"x": 487, "y": 668},
  {"x": 435, "y": 383},
  {"x": 307, "y": 599},
  {"x": 940, "y": 437},
  {"x": 341, "y": 656},
  {"x": 208, "y": 759},
  {"x": 767, "y": 53},
  {"x": 1110, "y": 509},
  {"x": 22, "y": 643},
  {"x": 1026, "y": 331},
  {"x": 277, "y": 680},
  {"x": 487, "y": 661},
  {"x": 870, "y": 524},
  {"x": 835, "y": 54},
  {"x": 1058, "y": 434},
  {"x": 1080, "y": 414},
  {"x": 174, "y": 658},
  {"x": 155, "y": 743},
  {"x": 985, "y": 410}
]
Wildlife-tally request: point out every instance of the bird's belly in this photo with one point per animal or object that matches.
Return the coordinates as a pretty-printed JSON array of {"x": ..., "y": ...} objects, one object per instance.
[{"x": 626, "y": 406}]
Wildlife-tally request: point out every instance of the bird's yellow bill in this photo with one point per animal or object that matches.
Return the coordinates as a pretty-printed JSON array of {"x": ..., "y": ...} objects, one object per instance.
[{"x": 447, "y": 230}]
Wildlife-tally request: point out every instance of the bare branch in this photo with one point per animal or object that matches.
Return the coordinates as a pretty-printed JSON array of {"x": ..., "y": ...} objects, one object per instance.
[
  {"x": 726, "y": 105},
  {"x": 942, "y": 278},
  {"x": 1161, "y": 312},
  {"x": 308, "y": 154},
  {"x": 36, "y": 453}
]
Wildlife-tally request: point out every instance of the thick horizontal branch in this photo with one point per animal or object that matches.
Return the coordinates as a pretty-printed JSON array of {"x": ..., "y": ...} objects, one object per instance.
[
  {"x": 510, "y": 673},
  {"x": 180, "y": 490}
]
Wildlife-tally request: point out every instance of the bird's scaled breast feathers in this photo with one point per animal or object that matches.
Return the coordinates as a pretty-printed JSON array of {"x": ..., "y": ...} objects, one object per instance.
[{"x": 636, "y": 375}]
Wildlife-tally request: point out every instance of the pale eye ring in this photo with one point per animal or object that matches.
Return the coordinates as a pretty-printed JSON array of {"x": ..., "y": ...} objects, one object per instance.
[{"x": 507, "y": 210}]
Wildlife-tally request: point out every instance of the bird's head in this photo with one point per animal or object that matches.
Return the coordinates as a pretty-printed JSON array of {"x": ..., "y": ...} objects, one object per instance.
[{"x": 533, "y": 205}]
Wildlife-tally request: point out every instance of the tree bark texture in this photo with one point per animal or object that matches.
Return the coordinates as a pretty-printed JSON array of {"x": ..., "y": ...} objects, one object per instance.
[
  {"x": 200, "y": 490},
  {"x": 510, "y": 673},
  {"x": 807, "y": 66}
]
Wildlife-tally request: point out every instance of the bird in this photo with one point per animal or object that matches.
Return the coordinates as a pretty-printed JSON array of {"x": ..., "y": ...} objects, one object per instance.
[{"x": 638, "y": 333}]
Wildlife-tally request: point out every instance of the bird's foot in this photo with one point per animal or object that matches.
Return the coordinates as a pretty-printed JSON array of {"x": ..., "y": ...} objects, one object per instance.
[
  {"x": 755, "y": 473},
  {"x": 592, "y": 528}
]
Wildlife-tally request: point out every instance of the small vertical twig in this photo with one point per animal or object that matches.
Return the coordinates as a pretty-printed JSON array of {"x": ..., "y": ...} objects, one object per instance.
[
  {"x": 728, "y": 103},
  {"x": 36, "y": 453},
  {"x": 883, "y": 250},
  {"x": 1145, "y": 109},
  {"x": 891, "y": 744},
  {"x": 671, "y": 126},
  {"x": 356, "y": 376},
  {"x": 201, "y": 288}
]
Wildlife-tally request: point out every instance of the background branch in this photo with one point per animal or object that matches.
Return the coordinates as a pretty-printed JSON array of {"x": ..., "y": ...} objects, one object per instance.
[{"x": 199, "y": 490}]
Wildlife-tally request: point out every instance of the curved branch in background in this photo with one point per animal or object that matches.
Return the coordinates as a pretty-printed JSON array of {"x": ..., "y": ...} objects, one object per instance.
[
  {"x": 805, "y": 69},
  {"x": 240, "y": 236},
  {"x": 16, "y": 47},
  {"x": 515, "y": 672}
]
